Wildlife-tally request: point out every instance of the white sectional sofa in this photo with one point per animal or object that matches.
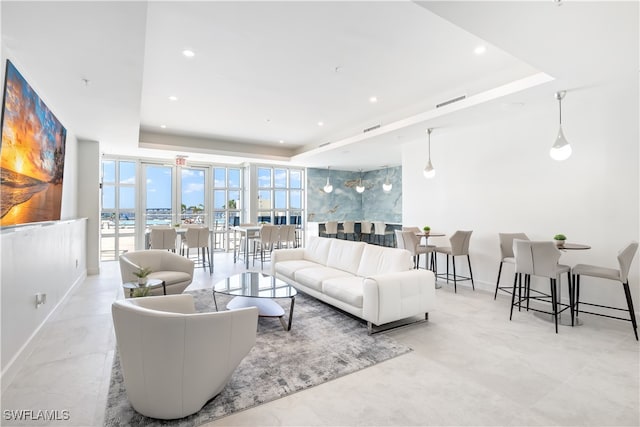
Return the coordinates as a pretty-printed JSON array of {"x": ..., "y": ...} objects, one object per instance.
[{"x": 374, "y": 283}]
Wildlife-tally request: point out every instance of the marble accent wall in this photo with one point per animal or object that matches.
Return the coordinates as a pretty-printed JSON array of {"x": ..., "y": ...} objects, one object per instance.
[{"x": 345, "y": 203}]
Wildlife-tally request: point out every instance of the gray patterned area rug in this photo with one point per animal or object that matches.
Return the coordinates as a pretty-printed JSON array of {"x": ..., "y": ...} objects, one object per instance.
[{"x": 323, "y": 344}]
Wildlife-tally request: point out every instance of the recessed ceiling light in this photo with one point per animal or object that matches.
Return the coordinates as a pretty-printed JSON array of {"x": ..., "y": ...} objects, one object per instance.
[
  {"x": 281, "y": 142},
  {"x": 373, "y": 99},
  {"x": 480, "y": 50},
  {"x": 320, "y": 123},
  {"x": 188, "y": 53},
  {"x": 163, "y": 126},
  {"x": 267, "y": 120},
  {"x": 173, "y": 98}
]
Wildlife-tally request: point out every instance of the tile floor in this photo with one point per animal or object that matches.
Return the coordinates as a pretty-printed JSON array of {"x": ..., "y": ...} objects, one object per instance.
[{"x": 470, "y": 366}]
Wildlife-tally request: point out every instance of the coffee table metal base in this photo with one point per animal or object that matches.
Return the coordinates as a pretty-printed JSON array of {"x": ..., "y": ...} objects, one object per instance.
[{"x": 266, "y": 308}]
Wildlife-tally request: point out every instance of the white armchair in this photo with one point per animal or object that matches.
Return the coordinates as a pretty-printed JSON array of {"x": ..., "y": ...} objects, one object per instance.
[
  {"x": 175, "y": 360},
  {"x": 176, "y": 271}
]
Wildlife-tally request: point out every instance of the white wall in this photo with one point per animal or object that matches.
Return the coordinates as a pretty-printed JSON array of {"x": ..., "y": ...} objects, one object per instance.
[
  {"x": 498, "y": 177},
  {"x": 36, "y": 259},
  {"x": 89, "y": 167}
]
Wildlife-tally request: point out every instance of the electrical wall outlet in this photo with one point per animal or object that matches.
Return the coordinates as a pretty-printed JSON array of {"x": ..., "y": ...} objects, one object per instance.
[{"x": 40, "y": 299}]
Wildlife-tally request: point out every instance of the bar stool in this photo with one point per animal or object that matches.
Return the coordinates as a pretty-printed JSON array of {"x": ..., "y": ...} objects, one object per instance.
[
  {"x": 380, "y": 231},
  {"x": 331, "y": 228},
  {"x": 459, "y": 247},
  {"x": 625, "y": 257},
  {"x": 365, "y": 230},
  {"x": 506, "y": 254},
  {"x": 539, "y": 259},
  {"x": 198, "y": 238},
  {"x": 348, "y": 228}
]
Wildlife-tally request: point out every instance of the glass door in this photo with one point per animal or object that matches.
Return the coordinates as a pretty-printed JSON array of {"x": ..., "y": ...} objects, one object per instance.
[
  {"x": 192, "y": 196},
  {"x": 158, "y": 202},
  {"x": 118, "y": 215}
]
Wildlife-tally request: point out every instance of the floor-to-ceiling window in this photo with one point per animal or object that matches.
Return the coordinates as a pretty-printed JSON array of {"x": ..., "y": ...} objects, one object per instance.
[
  {"x": 227, "y": 203},
  {"x": 118, "y": 216},
  {"x": 280, "y": 195},
  {"x": 192, "y": 195}
]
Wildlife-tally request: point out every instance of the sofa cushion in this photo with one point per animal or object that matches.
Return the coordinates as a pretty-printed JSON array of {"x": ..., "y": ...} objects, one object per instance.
[
  {"x": 317, "y": 249},
  {"x": 346, "y": 289},
  {"x": 345, "y": 255},
  {"x": 377, "y": 260},
  {"x": 288, "y": 268},
  {"x": 313, "y": 277},
  {"x": 170, "y": 277}
]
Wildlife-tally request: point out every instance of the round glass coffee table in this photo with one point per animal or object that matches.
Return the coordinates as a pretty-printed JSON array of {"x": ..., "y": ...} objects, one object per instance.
[
  {"x": 257, "y": 290},
  {"x": 151, "y": 284}
]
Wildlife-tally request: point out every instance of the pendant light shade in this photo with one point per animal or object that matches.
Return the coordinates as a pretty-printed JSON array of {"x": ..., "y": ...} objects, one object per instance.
[
  {"x": 429, "y": 171},
  {"x": 328, "y": 188},
  {"x": 360, "y": 187},
  {"x": 561, "y": 149},
  {"x": 387, "y": 186}
]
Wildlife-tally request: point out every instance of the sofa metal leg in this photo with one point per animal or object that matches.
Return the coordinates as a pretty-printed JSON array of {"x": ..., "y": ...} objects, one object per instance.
[
  {"x": 370, "y": 328},
  {"x": 426, "y": 316}
]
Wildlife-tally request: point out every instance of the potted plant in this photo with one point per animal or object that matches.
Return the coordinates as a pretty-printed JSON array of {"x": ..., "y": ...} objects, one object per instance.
[
  {"x": 560, "y": 239},
  {"x": 426, "y": 229},
  {"x": 142, "y": 275}
]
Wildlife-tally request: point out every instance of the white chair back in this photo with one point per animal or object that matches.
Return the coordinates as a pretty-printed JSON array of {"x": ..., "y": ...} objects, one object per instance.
[
  {"x": 625, "y": 257},
  {"x": 379, "y": 228},
  {"x": 331, "y": 227},
  {"x": 460, "y": 242},
  {"x": 348, "y": 227},
  {"x": 365, "y": 227},
  {"x": 506, "y": 243}
]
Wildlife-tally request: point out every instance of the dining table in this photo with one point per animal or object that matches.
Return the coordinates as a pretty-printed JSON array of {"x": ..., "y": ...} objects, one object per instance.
[{"x": 563, "y": 320}]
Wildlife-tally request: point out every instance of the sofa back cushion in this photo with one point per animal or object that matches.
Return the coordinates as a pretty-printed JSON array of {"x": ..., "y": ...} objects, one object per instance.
[
  {"x": 345, "y": 255},
  {"x": 317, "y": 249},
  {"x": 378, "y": 260}
]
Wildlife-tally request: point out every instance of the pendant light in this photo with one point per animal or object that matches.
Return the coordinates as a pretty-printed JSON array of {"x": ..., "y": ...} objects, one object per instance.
[
  {"x": 360, "y": 187},
  {"x": 561, "y": 149},
  {"x": 328, "y": 188},
  {"x": 429, "y": 171},
  {"x": 387, "y": 186}
]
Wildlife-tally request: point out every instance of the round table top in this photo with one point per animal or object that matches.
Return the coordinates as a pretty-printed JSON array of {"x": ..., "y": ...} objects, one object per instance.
[
  {"x": 255, "y": 285},
  {"x": 574, "y": 247},
  {"x": 431, "y": 234},
  {"x": 151, "y": 283}
]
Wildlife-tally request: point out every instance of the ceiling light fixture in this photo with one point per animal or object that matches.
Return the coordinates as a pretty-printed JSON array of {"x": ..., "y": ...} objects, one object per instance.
[
  {"x": 163, "y": 126},
  {"x": 320, "y": 123},
  {"x": 173, "y": 98},
  {"x": 387, "y": 186},
  {"x": 479, "y": 50},
  {"x": 429, "y": 171},
  {"x": 373, "y": 99},
  {"x": 188, "y": 53},
  {"x": 561, "y": 149},
  {"x": 281, "y": 141},
  {"x": 360, "y": 187},
  {"x": 328, "y": 188}
]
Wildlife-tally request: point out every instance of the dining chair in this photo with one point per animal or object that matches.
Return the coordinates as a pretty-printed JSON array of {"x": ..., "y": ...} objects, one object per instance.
[
  {"x": 506, "y": 255},
  {"x": 625, "y": 258},
  {"x": 539, "y": 259},
  {"x": 331, "y": 229},
  {"x": 365, "y": 230},
  {"x": 459, "y": 246},
  {"x": 410, "y": 241}
]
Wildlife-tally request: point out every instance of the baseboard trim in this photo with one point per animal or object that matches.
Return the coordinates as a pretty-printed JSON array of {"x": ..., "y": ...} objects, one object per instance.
[{"x": 18, "y": 361}]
